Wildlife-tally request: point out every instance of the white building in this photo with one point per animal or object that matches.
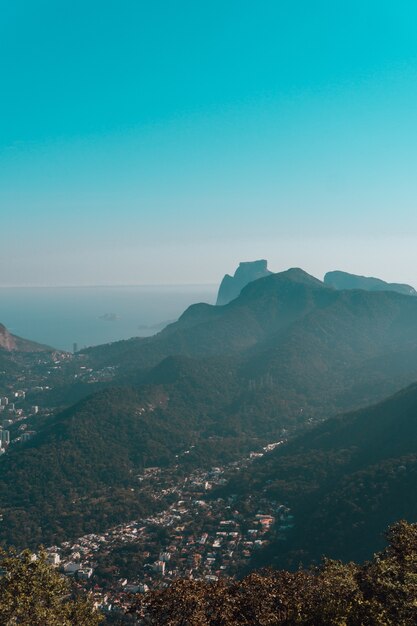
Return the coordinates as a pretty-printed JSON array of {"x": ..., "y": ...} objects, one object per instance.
[
  {"x": 71, "y": 567},
  {"x": 5, "y": 436},
  {"x": 85, "y": 573},
  {"x": 53, "y": 558}
]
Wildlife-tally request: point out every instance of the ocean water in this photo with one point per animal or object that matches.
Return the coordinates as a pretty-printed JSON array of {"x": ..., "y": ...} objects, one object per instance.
[{"x": 88, "y": 316}]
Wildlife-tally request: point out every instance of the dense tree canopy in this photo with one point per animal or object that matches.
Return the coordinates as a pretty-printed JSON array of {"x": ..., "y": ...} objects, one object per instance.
[
  {"x": 382, "y": 592},
  {"x": 33, "y": 593}
]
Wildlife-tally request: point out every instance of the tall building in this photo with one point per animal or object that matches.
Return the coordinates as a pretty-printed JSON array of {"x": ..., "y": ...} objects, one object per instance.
[
  {"x": 5, "y": 436},
  {"x": 53, "y": 558},
  {"x": 27, "y": 435}
]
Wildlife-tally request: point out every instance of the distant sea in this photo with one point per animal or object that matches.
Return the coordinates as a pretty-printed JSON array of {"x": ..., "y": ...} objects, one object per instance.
[{"x": 88, "y": 316}]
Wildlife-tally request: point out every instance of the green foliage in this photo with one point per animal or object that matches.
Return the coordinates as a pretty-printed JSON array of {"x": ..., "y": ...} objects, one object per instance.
[
  {"x": 389, "y": 583},
  {"x": 34, "y": 594},
  {"x": 381, "y": 592},
  {"x": 78, "y": 474}
]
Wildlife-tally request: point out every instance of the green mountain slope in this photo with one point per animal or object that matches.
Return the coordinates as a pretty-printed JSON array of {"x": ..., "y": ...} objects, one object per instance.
[
  {"x": 346, "y": 480},
  {"x": 310, "y": 349},
  {"x": 265, "y": 306},
  {"x": 76, "y": 475},
  {"x": 79, "y": 474}
]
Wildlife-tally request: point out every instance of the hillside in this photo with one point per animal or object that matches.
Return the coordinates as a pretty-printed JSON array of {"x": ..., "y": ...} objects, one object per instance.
[
  {"x": 298, "y": 345},
  {"x": 345, "y": 481},
  {"x": 11, "y": 343},
  {"x": 18, "y": 355},
  {"x": 264, "y": 307},
  {"x": 79, "y": 474}
]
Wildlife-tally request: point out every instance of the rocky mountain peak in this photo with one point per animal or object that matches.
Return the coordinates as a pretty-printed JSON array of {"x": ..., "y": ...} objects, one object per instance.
[{"x": 247, "y": 272}]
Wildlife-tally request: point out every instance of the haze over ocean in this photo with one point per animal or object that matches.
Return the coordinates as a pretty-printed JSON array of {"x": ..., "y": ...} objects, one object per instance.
[{"x": 62, "y": 316}]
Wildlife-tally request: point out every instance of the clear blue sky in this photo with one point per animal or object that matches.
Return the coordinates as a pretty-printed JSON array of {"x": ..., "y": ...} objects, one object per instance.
[{"x": 162, "y": 142}]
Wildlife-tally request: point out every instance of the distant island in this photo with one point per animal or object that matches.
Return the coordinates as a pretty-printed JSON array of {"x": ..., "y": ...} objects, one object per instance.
[{"x": 109, "y": 317}]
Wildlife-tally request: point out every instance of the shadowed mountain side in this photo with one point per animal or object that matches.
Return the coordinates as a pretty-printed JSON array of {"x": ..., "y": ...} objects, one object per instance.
[
  {"x": 345, "y": 481},
  {"x": 343, "y": 280},
  {"x": 298, "y": 346},
  {"x": 264, "y": 307}
]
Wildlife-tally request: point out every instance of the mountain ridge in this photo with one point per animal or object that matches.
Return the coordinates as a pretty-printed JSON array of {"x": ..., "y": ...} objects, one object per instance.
[{"x": 344, "y": 280}]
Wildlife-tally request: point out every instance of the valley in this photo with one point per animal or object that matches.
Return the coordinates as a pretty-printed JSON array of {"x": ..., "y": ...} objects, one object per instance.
[{"x": 194, "y": 535}]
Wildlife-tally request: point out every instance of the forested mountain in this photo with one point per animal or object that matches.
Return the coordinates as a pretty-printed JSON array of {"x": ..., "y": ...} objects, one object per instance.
[
  {"x": 77, "y": 473},
  {"x": 296, "y": 339},
  {"x": 264, "y": 307},
  {"x": 80, "y": 473},
  {"x": 286, "y": 353},
  {"x": 345, "y": 481},
  {"x": 344, "y": 280}
]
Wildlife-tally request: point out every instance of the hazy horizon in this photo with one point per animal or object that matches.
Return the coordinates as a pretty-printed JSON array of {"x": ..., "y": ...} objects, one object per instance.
[{"x": 402, "y": 275}]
